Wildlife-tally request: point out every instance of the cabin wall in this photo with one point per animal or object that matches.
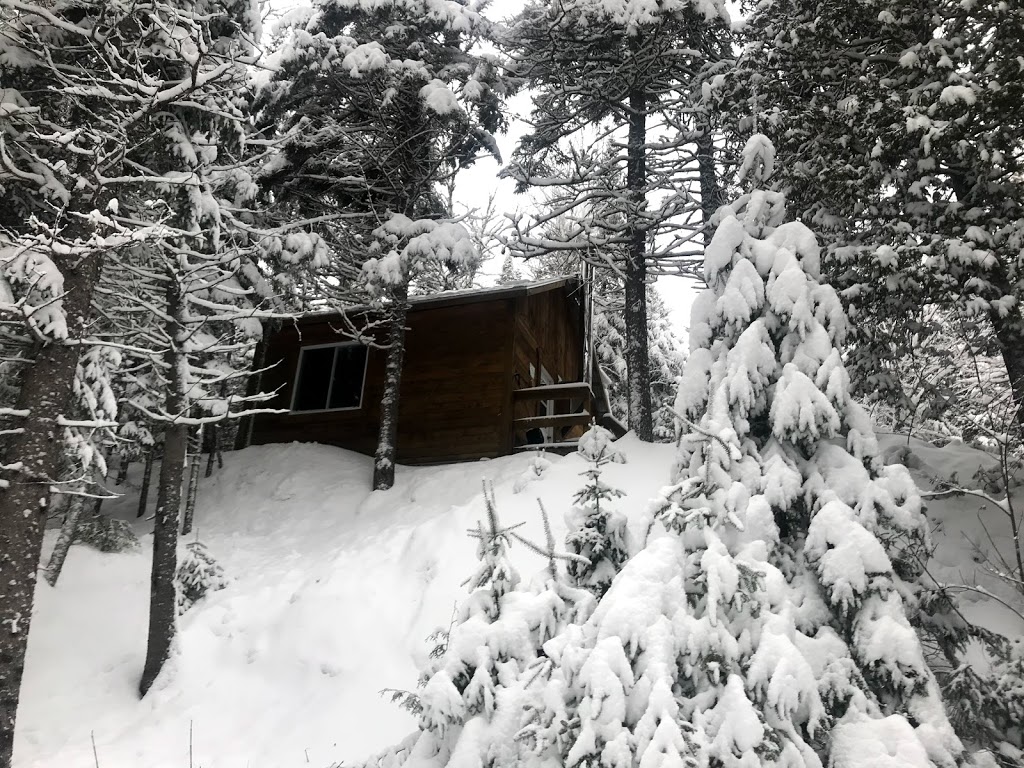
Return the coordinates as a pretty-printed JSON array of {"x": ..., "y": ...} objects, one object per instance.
[
  {"x": 549, "y": 329},
  {"x": 454, "y": 387}
]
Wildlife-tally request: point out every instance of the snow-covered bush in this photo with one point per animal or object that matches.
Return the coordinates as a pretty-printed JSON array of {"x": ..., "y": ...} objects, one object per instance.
[
  {"x": 538, "y": 466},
  {"x": 105, "y": 533},
  {"x": 474, "y": 695},
  {"x": 198, "y": 575},
  {"x": 990, "y": 706}
]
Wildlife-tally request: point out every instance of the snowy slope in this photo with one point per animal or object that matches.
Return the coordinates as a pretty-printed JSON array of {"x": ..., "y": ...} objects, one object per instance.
[
  {"x": 335, "y": 590},
  {"x": 966, "y": 533}
]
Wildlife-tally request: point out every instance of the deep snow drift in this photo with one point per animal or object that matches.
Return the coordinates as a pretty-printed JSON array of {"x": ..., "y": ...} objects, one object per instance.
[{"x": 334, "y": 591}]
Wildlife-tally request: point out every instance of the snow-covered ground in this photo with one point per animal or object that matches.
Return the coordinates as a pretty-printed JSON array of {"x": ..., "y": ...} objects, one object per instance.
[{"x": 334, "y": 592}]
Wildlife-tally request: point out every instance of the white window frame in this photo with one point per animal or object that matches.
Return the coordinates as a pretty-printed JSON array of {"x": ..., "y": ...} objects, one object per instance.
[{"x": 330, "y": 385}]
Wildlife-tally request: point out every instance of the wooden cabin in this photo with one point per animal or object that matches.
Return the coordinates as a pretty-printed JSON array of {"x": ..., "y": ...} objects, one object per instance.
[{"x": 487, "y": 372}]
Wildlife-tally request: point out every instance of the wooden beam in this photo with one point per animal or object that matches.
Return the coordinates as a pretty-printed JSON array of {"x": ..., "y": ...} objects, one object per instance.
[
  {"x": 563, "y": 447},
  {"x": 554, "y": 420},
  {"x": 563, "y": 391}
]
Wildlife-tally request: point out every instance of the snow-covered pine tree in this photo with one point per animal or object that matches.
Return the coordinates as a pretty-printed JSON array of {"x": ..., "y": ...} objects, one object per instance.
[
  {"x": 509, "y": 272},
  {"x": 623, "y": 75},
  {"x": 474, "y": 693},
  {"x": 95, "y": 407},
  {"x": 378, "y": 105},
  {"x": 401, "y": 248},
  {"x": 197, "y": 575},
  {"x": 597, "y": 531},
  {"x": 898, "y": 127},
  {"x": 767, "y": 621}
]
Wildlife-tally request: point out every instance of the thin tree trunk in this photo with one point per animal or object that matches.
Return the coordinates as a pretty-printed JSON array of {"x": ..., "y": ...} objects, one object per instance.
[
  {"x": 147, "y": 477},
  {"x": 638, "y": 361},
  {"x": 243, "y": 438},
  {"x": 46, "y": 389},
  {"x": 122, "y": 471},
  {"x": 711, "y": 193},
  {"x": 195, "y": 459},
  {"x": 66, "y": 537},
  {"x": 213, "y": 447},
  {"x": 1009, "y": 332},
  {"x": 162, "y": 597},
  {"x": 384, "y": 460}
]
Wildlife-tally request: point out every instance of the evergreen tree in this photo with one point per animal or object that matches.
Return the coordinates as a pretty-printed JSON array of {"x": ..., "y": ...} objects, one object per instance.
[
  {"x": 629, "y": 72},
  {"x": 767, "y": 621},
  {"x": 509, "y": 272},
  {"x": 475, "y": 692},
  {"x": 597, "y": 531},
  {"x": 379, "y": 104},
  {"x": 899, "y": 134}
]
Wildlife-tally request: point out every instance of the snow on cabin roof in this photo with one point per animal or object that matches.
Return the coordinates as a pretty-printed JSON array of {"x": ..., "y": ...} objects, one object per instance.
[{"x": 466, "y": 296}]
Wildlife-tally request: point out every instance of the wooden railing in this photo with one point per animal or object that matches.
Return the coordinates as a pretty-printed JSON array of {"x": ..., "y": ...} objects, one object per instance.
[{"x": 573, "y": 407}]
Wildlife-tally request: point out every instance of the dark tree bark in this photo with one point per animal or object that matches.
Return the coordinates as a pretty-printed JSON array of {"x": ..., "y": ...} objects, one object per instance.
[
  {"x": 213, "y": 449},
  {"x": 46, "y": 389},
  {"x": 711, "y": 194},
  {"x": 195, "y": 459},
  {"x": 387, "y": 442},
  {"x": 638, "y": 361},
  {"x": 147, "y": 477},
  {"x": 162, "y": 597},
  {"x": 122, "y": 471}
]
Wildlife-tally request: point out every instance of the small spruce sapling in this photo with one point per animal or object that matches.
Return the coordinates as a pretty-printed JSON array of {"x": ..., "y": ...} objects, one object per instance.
[
  {"x": 198, "y": 575},
  {"x": 474, "y": 693},
  {"x": 597, "y": 531}
]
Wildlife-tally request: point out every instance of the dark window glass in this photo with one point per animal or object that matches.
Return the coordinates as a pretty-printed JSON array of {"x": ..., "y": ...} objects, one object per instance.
[
  {"x": 314, "y": 378},
  {"x": 330, "y": 377},
  {"x": 349, "y": 365}
]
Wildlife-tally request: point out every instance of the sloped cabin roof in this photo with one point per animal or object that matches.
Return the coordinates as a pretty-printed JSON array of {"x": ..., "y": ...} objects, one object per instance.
[
  {"x": 482, "y": 368},
  {"x": 465, "y": 296}
]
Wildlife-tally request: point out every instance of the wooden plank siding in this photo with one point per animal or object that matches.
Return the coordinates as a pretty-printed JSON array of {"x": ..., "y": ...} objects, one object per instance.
[
  {"x": 464, "y": 358},
  {"x": 452, "y": 396}
]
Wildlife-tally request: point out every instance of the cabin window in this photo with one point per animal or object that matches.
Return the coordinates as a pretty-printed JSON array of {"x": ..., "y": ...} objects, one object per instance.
[{"x": 330, "y": 377}]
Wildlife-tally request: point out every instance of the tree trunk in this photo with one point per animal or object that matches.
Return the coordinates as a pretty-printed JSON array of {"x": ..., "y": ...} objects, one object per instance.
[
  {"x": 162, "y": 597},
  {"x": 66, "y": 537},
  {"x": 638, "y": 361},
  {"x": 46, "y": 389},
  {"x": 213, "y": 448},
  {"x": 122, "y": 470},
  {"x": 194, "y": 460},
  {"x": 384, "y": 459},
  {"x": 243, "y": 437},
  {"x": 1009, "y": 332},
  {"x": 147, "y": 477},
  {"x": 711, "y": 193}
]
